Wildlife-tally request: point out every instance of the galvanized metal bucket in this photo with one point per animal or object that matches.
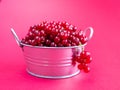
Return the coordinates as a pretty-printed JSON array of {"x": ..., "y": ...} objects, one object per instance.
[{"x": 51, "y": 62}]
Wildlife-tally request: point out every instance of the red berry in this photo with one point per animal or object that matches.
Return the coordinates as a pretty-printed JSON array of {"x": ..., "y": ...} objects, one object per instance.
[
  {"x": 74, "y": 28},
  {"x": 80, "y": 66},
  {"x": 48, "y": 42},
  {"x": 26, "y": 42},
  {"x": 42, "y": 39},
  {"x": 64, "y": 42},
  {"x": 68, "y": 45},
  {"x": 42, "y": 33},
  {"x": 40, "y": 44},
  {"x": 57, "y": 39},
  {"x": 70, "y": 28},
  {"x": 37, "y": 39},
  {"x": 73, "y": 33},
  {"x": 73, "y": 44},
  {"x": 30, "y": 35},
  {"x": 36, "y": 32},
  {"x": 88, "y": 60},
  {"x": 33, "y": 42},
  {"x": 51, "y": 37},
  {"x": 84, "y": 65},
  {"x": 78, "y": 59},
  {"x": 53, "y": 44},
  {"x": 27, "y": 37},
  {"x": 86, "y": 69},
  {"x": 32, "y": 30},
  {"x": 79, "y": 34},
  {"x": 60, "y": 45},
  {"x": 83, "y": 39},
  {"x": 23, "y": 40},
  {"x": 77, "y": 41}
]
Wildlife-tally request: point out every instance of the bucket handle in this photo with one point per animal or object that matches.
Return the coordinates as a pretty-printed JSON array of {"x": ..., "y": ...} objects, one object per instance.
[
  {"x": 78, "y": 50},
  {"x": 91, "y": 32},
  {"x": 16, "y": 37}
]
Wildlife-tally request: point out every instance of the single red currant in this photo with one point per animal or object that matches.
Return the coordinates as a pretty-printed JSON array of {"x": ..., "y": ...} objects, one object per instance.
[
  {"x": 53, "y": 44},
  {"x": 80, "y": 66},
  {"x": 48, "y": 42},
  {"x": 57, "y": 39},
  {"x": 86, "y": 69}
]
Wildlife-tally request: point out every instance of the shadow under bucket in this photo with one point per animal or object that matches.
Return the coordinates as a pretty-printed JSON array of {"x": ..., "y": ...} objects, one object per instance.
[{"x": 50, "y": 62}]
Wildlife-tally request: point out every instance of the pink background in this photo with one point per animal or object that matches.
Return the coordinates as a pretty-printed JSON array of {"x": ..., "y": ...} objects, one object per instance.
[{"x": 102, "y": 15}]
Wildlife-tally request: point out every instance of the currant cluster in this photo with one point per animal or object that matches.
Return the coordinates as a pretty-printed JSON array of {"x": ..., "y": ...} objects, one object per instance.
[
  {"x": 84, "y": 58},
  {"x": 54, "y": 34}
]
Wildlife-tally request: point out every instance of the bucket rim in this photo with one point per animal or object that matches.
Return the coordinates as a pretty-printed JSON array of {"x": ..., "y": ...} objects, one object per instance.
[{"x": 52, "y": 47}]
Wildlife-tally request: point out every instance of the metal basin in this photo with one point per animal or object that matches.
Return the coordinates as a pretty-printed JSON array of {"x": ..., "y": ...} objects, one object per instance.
[{"x": 51, "y": 62}]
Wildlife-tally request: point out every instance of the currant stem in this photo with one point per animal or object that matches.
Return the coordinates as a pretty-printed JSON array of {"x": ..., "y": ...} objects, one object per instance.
[{"x": 83, "y": 48}]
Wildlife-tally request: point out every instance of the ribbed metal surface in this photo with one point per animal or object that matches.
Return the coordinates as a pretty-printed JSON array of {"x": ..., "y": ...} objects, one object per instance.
[{"x": 50, "y": 62}]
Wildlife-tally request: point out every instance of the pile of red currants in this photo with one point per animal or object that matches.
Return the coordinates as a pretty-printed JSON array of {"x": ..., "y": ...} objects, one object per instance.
[
  {"x": 59, "y": 34},
  {"x": 54, "y": 34}
]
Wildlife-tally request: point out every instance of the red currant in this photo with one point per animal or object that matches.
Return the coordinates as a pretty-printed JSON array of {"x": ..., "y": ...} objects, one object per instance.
[
  {"x": 57, "y": 39},
  {"x": 47, "y": 42},
  {"x": 80, "y": 66},
  {"x": 86, "y": 69},
  {"x": 53, "y": 44}
]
